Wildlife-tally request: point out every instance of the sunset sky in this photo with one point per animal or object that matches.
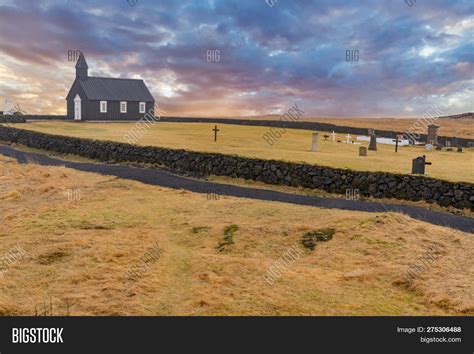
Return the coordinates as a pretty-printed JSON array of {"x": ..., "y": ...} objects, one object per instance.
[{"x": 410, "y": 57}]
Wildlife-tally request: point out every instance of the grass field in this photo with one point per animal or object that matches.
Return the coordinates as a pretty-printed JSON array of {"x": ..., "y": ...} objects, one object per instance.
[
  {"x": 294, "y": 145},
  {"x": 78, "y": 253}
]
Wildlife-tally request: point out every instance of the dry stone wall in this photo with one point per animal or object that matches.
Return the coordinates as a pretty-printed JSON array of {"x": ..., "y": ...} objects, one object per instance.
[{"x": 376, "y": 184}]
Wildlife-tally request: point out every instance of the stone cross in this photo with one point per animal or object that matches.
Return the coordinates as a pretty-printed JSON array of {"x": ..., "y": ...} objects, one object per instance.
[
  {"x": 373, "y": 140},
  {"x": 215, "y": 132},
  {"x": 362, "y": 151},
  {"x": 418, "y": 165},
  {"x": 314, "y": 144},
  {"x": 348, "y": 138},
  {"x": 333, "y": 136}
]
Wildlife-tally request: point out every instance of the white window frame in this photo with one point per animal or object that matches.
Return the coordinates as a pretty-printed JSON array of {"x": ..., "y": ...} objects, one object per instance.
[
  {"x": 105, "y": 109},
  {"x": 121, "y": 105},
  {"x": 140, "y": 105}
]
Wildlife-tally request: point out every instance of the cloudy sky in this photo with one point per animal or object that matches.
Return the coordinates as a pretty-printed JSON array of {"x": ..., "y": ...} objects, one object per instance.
[{"x": 409, "y": 57}]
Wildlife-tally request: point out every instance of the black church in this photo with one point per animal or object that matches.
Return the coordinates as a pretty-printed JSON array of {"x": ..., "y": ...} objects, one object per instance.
[{"x": 101, "y": 98}]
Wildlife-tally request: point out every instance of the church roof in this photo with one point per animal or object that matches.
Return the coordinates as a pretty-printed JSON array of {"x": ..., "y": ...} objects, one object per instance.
[{"x": 111, "y": 89}]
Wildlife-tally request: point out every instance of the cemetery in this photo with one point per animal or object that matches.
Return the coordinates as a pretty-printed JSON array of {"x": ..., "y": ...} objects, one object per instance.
[{"x": 337, "y": 150}]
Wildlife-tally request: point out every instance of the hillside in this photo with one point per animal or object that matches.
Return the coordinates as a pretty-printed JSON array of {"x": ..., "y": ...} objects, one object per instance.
[{"x": 78, "y": 253}]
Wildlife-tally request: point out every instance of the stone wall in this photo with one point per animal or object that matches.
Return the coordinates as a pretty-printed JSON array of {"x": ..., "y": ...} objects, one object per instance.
[
  {"x": 12, "y": 119},
  {"x": 376, "y": 184},
  {"x": 45, "y": 117}
]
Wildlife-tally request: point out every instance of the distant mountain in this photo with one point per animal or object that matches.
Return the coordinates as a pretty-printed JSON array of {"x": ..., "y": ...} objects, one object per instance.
[{"x": 469, "y": 115}]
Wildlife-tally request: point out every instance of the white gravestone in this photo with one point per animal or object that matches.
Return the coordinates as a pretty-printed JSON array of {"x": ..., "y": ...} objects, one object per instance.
[{"x": 348, "y": 138}]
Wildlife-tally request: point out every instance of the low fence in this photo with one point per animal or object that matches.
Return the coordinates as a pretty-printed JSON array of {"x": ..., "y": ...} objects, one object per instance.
[{"x": 376, "y": 184}]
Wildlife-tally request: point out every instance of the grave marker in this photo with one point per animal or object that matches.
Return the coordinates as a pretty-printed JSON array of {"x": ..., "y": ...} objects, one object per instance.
[
  {"x": 314, "y": 144},
  {"x": 432, "y": 134},
  {"x": 215, "y": 132},
  {"x": 418, "y": 165},
  {"x": 373, "y": 140},
  {"x": 333, "y": 136},
  {"x": 362, "y": 151},
  {"x": 396, "y": 140},
  {"x": 348, "y": 138}
]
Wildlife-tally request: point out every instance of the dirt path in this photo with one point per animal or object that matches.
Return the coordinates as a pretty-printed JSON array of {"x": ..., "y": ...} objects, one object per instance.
[{"x": 165, "y": 178}]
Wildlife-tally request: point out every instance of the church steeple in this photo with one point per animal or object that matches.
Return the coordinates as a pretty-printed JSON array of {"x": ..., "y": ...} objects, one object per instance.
[{"x": 81, "y": 68}]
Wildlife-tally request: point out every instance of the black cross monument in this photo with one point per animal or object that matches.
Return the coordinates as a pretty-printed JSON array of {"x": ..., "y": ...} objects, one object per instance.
[
  {"x": 396, "y": 142},
  {"x": 215, "y": 132}
]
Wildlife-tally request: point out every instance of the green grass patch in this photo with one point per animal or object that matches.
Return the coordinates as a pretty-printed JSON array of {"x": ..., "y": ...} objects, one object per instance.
[
  {"x": 311, "y": 238},
  {"x": 228, "y": 240}
]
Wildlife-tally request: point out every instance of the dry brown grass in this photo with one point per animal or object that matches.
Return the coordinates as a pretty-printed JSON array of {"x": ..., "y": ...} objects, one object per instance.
[{"x": 79, "y": 253}]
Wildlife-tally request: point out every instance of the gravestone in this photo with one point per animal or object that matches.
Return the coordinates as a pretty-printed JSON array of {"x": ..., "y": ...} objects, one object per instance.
[
  {"x": 439, "y": 147},
  {"x": 418, "y": 165},
  {"x": 429, "y": 147},
  {"x": 333, "y": 136},
  {"x": 348, "y": 138},
  {"x": 373, "y": 140},
  {"x": 325, "y": 136},
  {"x": 460, "y": 149},
  {"x": 314, "y": 144},
  {"x": 362, "y": 151},
  {"x": 432, "y": 134}
]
